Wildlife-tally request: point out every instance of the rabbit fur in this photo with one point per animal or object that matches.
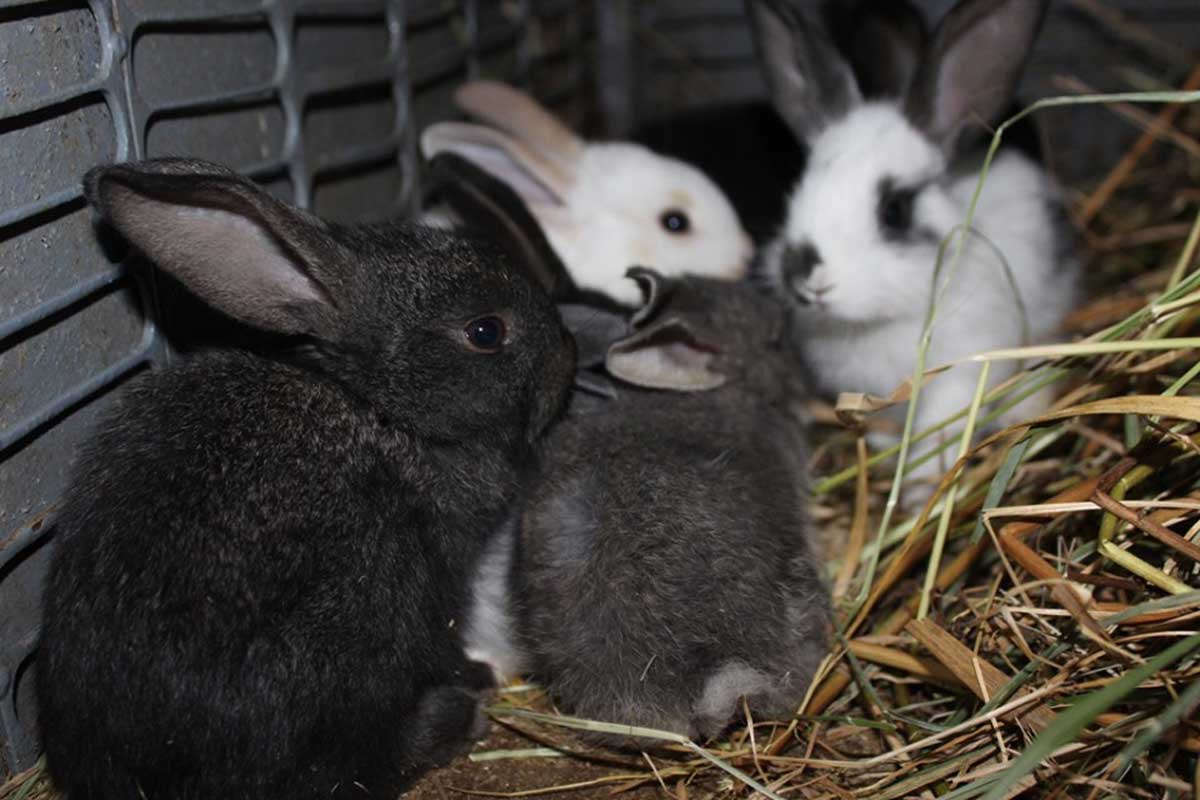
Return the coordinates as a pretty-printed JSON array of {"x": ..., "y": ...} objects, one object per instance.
[
  {"x": 604, "y": 206},
  {"x": 888, "y": 180},
  {"x": 261, "y": 563},
  {"x": 660, "y": 568}
]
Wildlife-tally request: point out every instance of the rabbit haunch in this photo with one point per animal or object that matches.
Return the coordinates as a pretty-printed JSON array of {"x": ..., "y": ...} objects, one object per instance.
[
  {"x": 263, "y": 553},
  {"x": 603, "y": 206}
]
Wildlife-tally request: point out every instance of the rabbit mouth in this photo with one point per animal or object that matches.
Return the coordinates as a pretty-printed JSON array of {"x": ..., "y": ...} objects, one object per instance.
[{"x": 813, "y": 296}]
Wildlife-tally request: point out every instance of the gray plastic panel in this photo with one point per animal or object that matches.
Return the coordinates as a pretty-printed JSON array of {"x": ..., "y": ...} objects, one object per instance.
[{"x": 314, "y": 98}]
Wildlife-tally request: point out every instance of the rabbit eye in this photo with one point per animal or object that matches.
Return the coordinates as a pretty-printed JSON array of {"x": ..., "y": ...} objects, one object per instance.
[
  {"x": 675, "y": 221},
  {"x": 485, "y": 334},
  {"x": 896, "y": 209}
]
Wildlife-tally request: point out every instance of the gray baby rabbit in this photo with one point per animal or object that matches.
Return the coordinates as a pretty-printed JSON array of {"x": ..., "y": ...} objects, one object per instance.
[
  {"x": 263, "y": 558},
  {"x": 662, "y": 568}
]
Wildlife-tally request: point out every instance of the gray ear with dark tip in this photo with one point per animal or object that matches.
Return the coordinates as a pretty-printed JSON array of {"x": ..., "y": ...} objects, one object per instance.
[
  {"x": 654, "y": 287},
  {"x": 663, "y": 352},
  {"x": 810, "y": 84},
  {"x": 594, "y": 330},
  {"x": 224, "y": 237},
  {"x": 489, "y": 205},
  {"x": 972, "y": 67},
  {"x": 666, "y": 354},
  {"x": 597, "y": 387},
  {"x": 884, "y": 40}
]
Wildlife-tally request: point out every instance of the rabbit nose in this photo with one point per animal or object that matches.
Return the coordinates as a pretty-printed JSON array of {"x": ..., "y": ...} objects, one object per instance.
[{"x": 798, "y": 263}]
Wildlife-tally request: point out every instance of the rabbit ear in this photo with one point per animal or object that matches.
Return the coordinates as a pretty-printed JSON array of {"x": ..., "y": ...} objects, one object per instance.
[
  {"x": 665, "y": 354},
  {"x": 662, "y": 352},
  {"x": 489, "y": 205},
  {"x": 810, "y": 84},
  {"x": 655, "y": 289},
  {"x": 594, "y": 330},
  {"x": 225, "y": 238},
  {"x": 519, "y": 115},
  {"x": 884, "y": 40},
  {"x": 973, "y": 65},
  {"x": 593, "y": 390},
  {"x": 538, "y": 181}
]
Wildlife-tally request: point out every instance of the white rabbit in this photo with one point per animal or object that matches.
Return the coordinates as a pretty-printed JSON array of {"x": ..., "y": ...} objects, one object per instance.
[
  {"x": 887, "y": 181},
  {"x": 603, "y": 206}
]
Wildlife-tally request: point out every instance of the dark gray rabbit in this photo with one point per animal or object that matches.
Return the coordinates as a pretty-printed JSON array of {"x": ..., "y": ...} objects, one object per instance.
[
  {"x": 662, "y": 569},
  {"x": 262, "y": 561}
]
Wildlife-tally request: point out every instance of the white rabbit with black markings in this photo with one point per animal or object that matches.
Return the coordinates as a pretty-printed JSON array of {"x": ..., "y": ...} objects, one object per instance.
[
  {"x": 603, "y": 206},
  {"x": 889, "y": 180}
]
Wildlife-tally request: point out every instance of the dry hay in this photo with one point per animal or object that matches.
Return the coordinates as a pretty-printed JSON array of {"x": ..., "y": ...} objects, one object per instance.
[
  {"x": 1058, "y": 652},
  {"x": 1052, "y": 646}
]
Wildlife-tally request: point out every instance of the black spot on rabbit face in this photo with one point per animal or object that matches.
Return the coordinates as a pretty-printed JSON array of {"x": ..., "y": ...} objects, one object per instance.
[
  {"x": 674, "y": 220},
  {"x": 895, "y": 209},
  {"x": 798, "y": 264}
]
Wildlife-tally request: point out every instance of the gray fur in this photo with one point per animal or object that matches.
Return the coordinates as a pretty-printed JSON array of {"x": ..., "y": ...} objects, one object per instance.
[
  {"x": 970, "y": 70},
  {"x": 262, "y": 561},
  {"x": 809, "y": 83},
  {"x": 663, "y": 568}
]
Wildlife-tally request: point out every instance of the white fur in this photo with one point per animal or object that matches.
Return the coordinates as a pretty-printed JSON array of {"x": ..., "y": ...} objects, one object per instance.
[
  {"x": 870, "y": 295},
  {"x": 440, "y": 217},
  {"x": 611, "y": 221},
  {"x": 600, "y": 204},
  {"x": 489, "y": 636},
  {"x": 724, "y": 689}
]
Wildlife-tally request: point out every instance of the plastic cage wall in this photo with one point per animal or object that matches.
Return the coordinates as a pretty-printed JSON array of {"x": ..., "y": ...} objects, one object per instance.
[{"x": 318, "y": 100}]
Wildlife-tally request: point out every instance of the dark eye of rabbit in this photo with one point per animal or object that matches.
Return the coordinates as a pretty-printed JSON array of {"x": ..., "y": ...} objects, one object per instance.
[
  {"x": 895, "y": 208},
  {"x": 675, "y": 221},
  {"x": 485, "y": 334}
]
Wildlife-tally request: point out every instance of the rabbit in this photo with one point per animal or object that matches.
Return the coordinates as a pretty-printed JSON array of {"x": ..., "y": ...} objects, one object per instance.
[
  {"x": 660, "y": 568},
  {"x": 729, "y": 400},
  {"x": 604, "y": 206},
  {"x": 262, "y": 560},
  {"x": 888, "y": 180}
]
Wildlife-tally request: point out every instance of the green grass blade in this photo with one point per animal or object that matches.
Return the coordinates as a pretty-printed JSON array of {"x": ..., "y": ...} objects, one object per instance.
[
  {"x": 1184, "y": 704},
  {"x": 1070, "y": 722},
  {"x": 527, "y": 752},
  {"x": 918, "y": 780},
  {"x": 999, "y": 484},
  {"x": 1150, "y": 606}
]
